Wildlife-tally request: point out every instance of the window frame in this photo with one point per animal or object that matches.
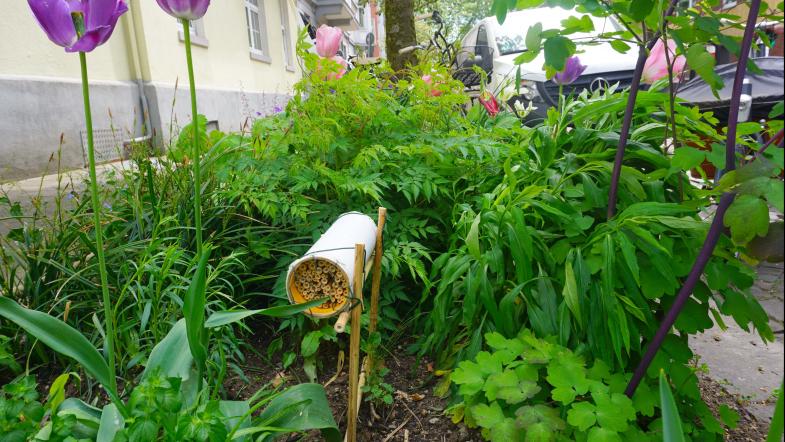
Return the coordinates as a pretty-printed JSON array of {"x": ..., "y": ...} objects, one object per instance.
[
  {"x": 198, "y": 36},
  {"x": 286, "y": 34},
  {"x": 263, "y": 53}
]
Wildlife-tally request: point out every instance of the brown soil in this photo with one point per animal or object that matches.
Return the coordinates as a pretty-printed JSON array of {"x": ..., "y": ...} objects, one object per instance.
[
  {"x": 748, "y": 429},
  {"x": 415, "y": 415}
]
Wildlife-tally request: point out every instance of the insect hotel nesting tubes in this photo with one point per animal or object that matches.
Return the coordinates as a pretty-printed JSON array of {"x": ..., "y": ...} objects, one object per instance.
[{"x": 327, "y": 269}]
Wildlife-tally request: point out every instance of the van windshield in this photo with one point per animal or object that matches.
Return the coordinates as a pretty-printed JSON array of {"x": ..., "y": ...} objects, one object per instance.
[{"x": 511, "y": 36}]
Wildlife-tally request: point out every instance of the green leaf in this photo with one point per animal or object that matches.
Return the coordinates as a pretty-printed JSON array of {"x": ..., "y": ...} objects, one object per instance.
[
  {"x": 557, "y": 50},
  {"x": 473, "y": 238},
  {"x": 310, "y": 343},
  {"x": 645, "y": 400},
  {"x": 226, "y": 317},
  {"x": 509, "y": 388},
  {"x": 776, "y": 429},
  {"x": 568, "y": 375},
  {"x": 630, "y": 258},
  {"x": 88, "y": 417},
  {"x": 469, "y": 377},
  {"x": 671, "y": 421},
  {"x": 620, "y": 46},
  {"x": 171, "y": 357},
  {"x": 57, "y": 391},
  {"x": 574, "y": 24},
  {"x": 111, "y": 424},
  {"x": 699, "y": 59},
  {"x": 193, "y": 310},
  {"x": 488, "y": 416},
  {"x": 729, "y": 416},
  {"x": 237, "y": 414},
  {"x": 614, "y": 411},
  {"x": 303, "y": 407},
  {"x": 582, "y": 415},
  {"x": 530, "y": 415},
  {"x": 534, "y": 38},
  {"x": 599, "y": 434},
  {"x": 686, "y": 158},
  {"x": 747, "y": 217},
  {"x": 640, "y": 9},
  {"x": 570, "y": 292},
  {"x": 61, "y": 338},
  {"x": 539, "y": 433}
]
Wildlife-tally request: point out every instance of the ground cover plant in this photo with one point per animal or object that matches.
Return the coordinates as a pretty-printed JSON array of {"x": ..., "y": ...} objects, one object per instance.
[{"x": 501, "y": 261}]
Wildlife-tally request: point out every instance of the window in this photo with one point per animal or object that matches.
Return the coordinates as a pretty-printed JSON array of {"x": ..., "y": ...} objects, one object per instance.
[
  {"x": 287, "y": 35},
  {"x": 362, "y": 17},
  {"x": 257, "y": 27},
  {"x": 198, "y": 36}
]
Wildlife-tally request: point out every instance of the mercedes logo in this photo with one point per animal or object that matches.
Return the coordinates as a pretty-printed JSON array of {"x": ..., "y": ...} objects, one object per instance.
[{"x": 599, "y": 84}]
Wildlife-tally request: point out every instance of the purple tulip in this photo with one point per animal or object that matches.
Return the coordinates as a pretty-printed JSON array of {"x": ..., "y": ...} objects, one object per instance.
[
  {"x": 572, "y": 70},
  {"x": 78, "y": 25},
  {"x": 187, "y": 9}
]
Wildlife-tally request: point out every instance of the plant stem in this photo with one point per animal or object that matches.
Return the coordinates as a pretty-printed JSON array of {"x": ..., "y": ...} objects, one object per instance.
[
  {"x": 628, "y": 111},
  {"x": 776, "y": 139},
  {"x": 99, "y": 239},
  {"x": 672, "y": 104},
  {"x": 196, "y": 153},
  {"x": 717, "y": 223}
]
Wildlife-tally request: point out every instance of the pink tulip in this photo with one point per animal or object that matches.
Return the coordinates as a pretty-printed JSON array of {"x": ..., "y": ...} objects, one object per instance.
[
  {"x": 328, "y": 41},
  {"x": 328, "y": 70},
  {"x": 429, "y": 81},
  {"x": 656, "y": 66}
]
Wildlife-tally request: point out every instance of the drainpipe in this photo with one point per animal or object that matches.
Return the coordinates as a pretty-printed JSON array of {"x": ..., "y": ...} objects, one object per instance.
[{"x": 137, "y": 52}]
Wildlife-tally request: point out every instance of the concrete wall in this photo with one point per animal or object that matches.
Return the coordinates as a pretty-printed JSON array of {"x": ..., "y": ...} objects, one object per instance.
[
  {"x": 231, "y": 109},
  {"x": 40, "y": 94},
  {"x": 36, "y": 111}
]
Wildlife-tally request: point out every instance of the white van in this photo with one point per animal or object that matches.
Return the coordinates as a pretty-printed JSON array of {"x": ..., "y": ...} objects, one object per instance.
[{"x": 494, "y": 47}]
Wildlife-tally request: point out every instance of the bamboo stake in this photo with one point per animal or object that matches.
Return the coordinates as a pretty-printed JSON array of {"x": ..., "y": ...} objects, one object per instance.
[
  {"x": 376, "y": 281},
  {"x": 354, "y": 345},
  {"x": 340, "y": 324}
]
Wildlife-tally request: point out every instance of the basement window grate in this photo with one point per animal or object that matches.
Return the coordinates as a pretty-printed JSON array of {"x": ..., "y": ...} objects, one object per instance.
[{"x": 108, "y": 147}]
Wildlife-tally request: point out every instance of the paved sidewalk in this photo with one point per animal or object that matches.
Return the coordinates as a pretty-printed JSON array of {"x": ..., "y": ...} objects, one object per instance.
[{"x": 739, "y": 359}]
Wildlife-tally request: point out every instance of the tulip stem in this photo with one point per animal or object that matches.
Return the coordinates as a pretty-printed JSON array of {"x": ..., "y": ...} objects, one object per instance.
[
  {"x": 195, "y": 145},
  {"x": 99, "y": 239},
  {"x": 196, "y": 165}
]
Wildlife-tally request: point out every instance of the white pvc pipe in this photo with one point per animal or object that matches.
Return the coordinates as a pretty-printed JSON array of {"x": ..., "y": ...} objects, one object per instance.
[{"x": 336, "y": 247}]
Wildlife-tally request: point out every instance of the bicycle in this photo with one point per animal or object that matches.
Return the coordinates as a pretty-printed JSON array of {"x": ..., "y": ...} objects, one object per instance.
[{"x": 463, "y": 70}]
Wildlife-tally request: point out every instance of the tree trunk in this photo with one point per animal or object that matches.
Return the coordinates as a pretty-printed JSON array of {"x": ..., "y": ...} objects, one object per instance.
[{"x": 399, "y": 27}]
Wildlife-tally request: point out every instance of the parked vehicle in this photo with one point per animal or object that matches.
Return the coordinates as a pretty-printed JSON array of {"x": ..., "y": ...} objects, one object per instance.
[{"x": 494, "y": 47}]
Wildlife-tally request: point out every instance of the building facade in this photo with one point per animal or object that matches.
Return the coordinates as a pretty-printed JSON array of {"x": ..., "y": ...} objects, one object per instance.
[
  {"x": 245, "y": 66},
  {"x": 362, "y": 23}
]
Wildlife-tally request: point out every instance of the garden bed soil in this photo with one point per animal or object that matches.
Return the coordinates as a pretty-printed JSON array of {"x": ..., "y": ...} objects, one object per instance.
[
  {"x": 749, "y": 428},
  {"x": 416, "y": 415}
]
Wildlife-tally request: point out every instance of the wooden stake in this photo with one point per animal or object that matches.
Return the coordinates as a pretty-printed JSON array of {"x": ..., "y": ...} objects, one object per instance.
[
  {"x": 376, "y": 280},
  {"x": 340, "y": 324},
  {"x": 354, "y": 344}
]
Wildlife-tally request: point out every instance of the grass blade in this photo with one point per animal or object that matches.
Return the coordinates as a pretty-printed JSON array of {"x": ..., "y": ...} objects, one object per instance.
[{"x": 671, "y": 421}]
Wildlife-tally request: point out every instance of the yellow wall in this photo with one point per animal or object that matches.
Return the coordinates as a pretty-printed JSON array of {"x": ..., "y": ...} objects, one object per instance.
[
  {"x": 26, "y": 51},
  {"x": 225, "y": 64}
]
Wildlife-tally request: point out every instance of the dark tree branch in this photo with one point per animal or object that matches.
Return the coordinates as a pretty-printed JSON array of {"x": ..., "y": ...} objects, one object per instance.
[
  {"x": 643, "y": 53},
  {"x": 717, "y": 223}
]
